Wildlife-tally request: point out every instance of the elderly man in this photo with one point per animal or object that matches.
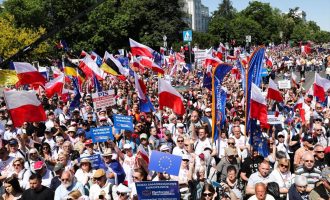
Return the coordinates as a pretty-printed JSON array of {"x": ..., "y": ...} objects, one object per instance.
[
  {"x": 308, "y": 170},
  {"x": 68, "y": 184},
  {"x": 297, "y": 191},
  {"x": 319, "y": 157},
  {"x": 322, "y": 191},
  {"x": 261, "y": 193},
  {"x": 230, "y": 159},
  {"x": 262, "y": 175},
  {"x": 101, "y": 187},
  {"x": 307, "y": 147}
]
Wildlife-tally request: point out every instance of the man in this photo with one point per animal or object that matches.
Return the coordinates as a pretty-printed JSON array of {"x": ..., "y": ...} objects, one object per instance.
[
  {"x": 322, "y": 191},
  {"x": 207, "y": 118},
  {"x": 261, "y": 193},
  {"x": 308, "y": 170},
  {"x": 68, "y": 184},
  {"x": 250, "y": 165},
  {"x": 101, "y": 187},
  {"x": 5, "y": 163},
  {"x": 298, "y": 189},
  {"x": 320, "y": 133},
  {"x": 307, "y": 147},
  {"x": 261, "y": 176},
  {"x": 179, "y": 150},
  {"x": 14, "y": 149},
  {"x": 230, "y": 159},
  {"x": 240, "y": 140},
  {"x": 319, "y": 157},
  {"x": 153, "y": 139},
  {"x": 203, "y": 142},
  {"x": 138, "y": 175},
  {"x": 37, "y": 191},
  {"x": 56, "y": 181},
  {"x": 10, "y": 132},
  {"x": 195, "y": 123},
  {"x": 41, "y": 169},
  {"x": 123, "y": 192}
]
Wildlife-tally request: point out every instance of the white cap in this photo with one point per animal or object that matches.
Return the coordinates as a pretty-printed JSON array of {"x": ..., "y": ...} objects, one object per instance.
[
  {"x": 127, "y": 146},
  {"x": 280, "y": 133},
  {"x": 164, "y": 147},
  {"x": 123, "y": 189},
  {"x": 208, "y": 110},
  {"x": 179, "y": 125},
  {"x": 185, "y": 157}
]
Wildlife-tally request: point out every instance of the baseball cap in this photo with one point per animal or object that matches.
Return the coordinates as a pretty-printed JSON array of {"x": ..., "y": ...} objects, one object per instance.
[
  {"x": 326, "y": 174},
  {"x": 123, "y": 188},
  {"x": 180, "y": 125},
  {"x": 88, "y": 142},
  {"x": 185, "y": 157},
  {"x": 208, "y": 110},
  {"x": 127, "y": 146},
  {"x": 99, "y": 173},
  {"x": 308, "y": 138},
  {"x": 58, "y": 167},
  {"x": 143, "y": 136},
  {"x": 12, "y": 142},
  {"x": 38, "y": 165},
  {"x": 280, "y": 133},
  {"x": 85, "y": 160},
  {"x": 164, "y": 147},
  {"x": 80, "y": 131}
]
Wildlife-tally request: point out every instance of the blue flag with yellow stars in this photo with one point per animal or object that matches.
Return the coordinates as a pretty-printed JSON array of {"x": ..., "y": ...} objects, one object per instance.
[{"x": 165, "y": 162}]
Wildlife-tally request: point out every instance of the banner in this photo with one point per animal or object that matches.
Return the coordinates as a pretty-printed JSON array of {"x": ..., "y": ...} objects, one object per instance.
[
  {"x": 123, "y": 122},
  {"x": 272, "y": 120},
  {"x": 101, "y": 134},
  {"x": 284, "y": 84},
  {"x": 95, "y": 160},
  {"x": 165, "y": 162},
  {"x": 158, "y": 190},
  {"x": 101, "y": 100},
  {"x": 218, "y": 100}
]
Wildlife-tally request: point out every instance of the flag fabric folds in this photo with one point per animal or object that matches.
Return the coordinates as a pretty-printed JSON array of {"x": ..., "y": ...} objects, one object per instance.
[
  {"x": 75, "y": 103},
  {"x": 142, "y": 159},
  {"x": 169, "y": 97},
  {"x": 140, "y": 87},
  {"x": 165, "y": 162},
  {"x": 27, "y": 74},
  {"x": 273, "y": 92},
  {"x": 97, "y": 84},
  {"x": 89, "y": 67},
  {"x": 8, "y": 77},
  {"x": 321, "y": 85},
  {"x": 258, "y": 106},
  {"x": 54, "y": 86},
  {"x": 218, "y": 99},
  {"x": 113, "y": 66},
  {"x": 138, "y": 49},
  {"x": 21, "y": 104}
]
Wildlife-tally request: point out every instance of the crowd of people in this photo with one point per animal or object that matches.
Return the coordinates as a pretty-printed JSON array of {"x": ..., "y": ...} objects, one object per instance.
[{"x": 50, "y": 160}]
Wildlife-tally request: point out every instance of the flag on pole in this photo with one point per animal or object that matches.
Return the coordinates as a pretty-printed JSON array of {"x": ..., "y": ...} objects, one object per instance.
[
  {"x": 273, "y": 92},
  {"x": 89, "y": 67},
  {"x": 321, "y": 86},
  {"x": 258, "y": 106},
  {"x": 75, "y": 103},
  {"x": 27, "y": 74},
  {"x": 138, "y": 49},
  {"x": 55, "y": 86}
]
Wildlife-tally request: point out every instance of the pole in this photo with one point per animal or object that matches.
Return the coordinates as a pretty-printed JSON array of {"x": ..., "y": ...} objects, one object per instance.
[{"x": 246, "y": 97}]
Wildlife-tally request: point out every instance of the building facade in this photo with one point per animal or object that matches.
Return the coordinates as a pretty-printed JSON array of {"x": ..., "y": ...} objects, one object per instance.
[{"x": 196, "y": 15}]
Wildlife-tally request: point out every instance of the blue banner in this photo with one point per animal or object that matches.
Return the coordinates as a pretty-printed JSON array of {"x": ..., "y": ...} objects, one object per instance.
[
  {"x": 165, "y": 162},
  {"x": 157, "y": 190},
  {"x": 257, "y": 140},
  {"x": 254, "y": 76},
  {"x": 146, "y": 105},
  {"x": 218, "y": 100},
  {"x": 101, "y": 134},
  {"x": 123, "y": 122},
  {"x": 207, "y": 81},
  {"x": 95, "y": 160},
  {"x": 242, "y": 71},
  {"x": 264, "y": 72}
]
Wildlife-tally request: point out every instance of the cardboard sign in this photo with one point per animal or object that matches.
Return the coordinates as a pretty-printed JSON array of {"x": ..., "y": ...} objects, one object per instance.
[
  {"x": 284, "y": 84},
  {"x": 158, "y": 190},
  {"x": 101, "y": 100},
  {"x": 101, "y": 134}
]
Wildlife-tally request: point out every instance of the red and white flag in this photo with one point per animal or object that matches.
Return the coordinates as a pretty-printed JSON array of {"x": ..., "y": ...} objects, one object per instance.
[
  {"x": 140, "y": 87},
  {"x": 222, "y": 48},
  {"x": 27, "y": 74},
  {"x": 273, "y": 92},
  {"x": 258, "y": 108},
  {"x": 142, "y": 158},
  {"x": 299, "y": 103},
  {"x": 24, "y": 106},
  {"x": 89, "y": 67},
  {"x": 294, "y": 78},
  {"x": 138, "y": 49},
  {"x": 169, "y": 97},
  {"x": 149, "y": 63},
  {"x": 277, "y": 111},
  {"x": 213, "y": 61},
  {"x": 321, "y": 85},
  {"x": 54, "y": 86},
  {"x": 269, "y": 61}
]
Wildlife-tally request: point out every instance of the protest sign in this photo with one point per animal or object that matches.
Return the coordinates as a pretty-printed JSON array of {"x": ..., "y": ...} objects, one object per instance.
[
  {"x": 101, "y": 134},
  {"x": 95, "y": 160},
  {"x": 284, "y": 84},
  {"x": 158, "y": 190},
  {"x": 272, "y": 120},
  {"x": 164, "y": 162},
  {"x": 101, "y": 100},
  {"x": 123, "y": 122}
]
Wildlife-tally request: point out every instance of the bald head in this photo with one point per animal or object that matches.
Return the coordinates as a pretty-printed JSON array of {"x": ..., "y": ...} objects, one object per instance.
[{"x": 260, "y": 190}]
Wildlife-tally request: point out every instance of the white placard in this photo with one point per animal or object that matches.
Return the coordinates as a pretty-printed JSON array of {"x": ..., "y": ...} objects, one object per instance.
[
  {"x": 271, "y": 119},
  {"x": 104, "y": 99},
  {"x": 284, "y": 84}
]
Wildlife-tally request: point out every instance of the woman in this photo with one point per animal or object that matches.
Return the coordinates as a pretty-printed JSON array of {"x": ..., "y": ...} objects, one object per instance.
[
  {"x": 282, "y": 175},
  {"x": 208, "y": 192},
  {"x": 33, "y": 156},
  {"x": 85, "y": 173},
  {"x": 46, "y": 153},
  {"x": 297, "y": 190},
  {"x": 12, "y": 189},
  {"x": 21, "y": 173}
]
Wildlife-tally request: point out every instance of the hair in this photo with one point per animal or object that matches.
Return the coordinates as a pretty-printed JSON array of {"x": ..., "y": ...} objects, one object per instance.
[
  {"x": 13, "y": 181},
  {"x": 273, "y": 189},
  {"x": 45, "y": 144},
  {"x": 36, "y": 176},
  {"x": 264, "y": 162},
  {"x": 231, "y": 168},
  {"x": 280, "y": 154},
  {"x": 20, "y": 160},
  {"x": 208, "y": 187},
  {"x": 142, "y": 172},
  {"x": 307, "y": 154},
  {"x": 75, "y": 194},
  {"x": 284, "y": 160}
]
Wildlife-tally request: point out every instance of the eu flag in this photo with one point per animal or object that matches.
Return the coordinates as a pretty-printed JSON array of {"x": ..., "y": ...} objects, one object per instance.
[{"x": 165, "y": 162}]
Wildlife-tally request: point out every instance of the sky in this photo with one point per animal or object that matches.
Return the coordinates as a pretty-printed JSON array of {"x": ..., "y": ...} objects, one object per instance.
[{"x": 316, "y": 10}]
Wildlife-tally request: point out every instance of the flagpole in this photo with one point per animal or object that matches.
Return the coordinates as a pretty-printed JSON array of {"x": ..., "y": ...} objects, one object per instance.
[{"x": 246, "y": 97}]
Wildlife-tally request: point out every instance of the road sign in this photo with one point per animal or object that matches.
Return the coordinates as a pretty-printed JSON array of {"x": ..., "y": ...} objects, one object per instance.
[{"x": 187, "y": 36}]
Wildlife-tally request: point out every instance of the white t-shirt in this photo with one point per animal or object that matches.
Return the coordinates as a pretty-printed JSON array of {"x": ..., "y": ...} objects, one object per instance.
[
  {"x": 268, "y": 197},
  {"x": 201, "y": 145},
  {"x": 6, "y": 167}
]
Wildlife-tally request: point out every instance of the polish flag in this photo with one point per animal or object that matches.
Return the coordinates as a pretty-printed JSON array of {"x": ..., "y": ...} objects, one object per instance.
[
  {"x": 89, "y": 67},
  {"x": 299, "y": 103},
  {"x": 140, "y": 87},
  {"x": 174, "y": 69},
  {"x": 54, "y": 86},
  {"x": 273, "y": 92},
  {"x": 27, "y": 74},
  {"x": 24, "y": 106},
  {"x": 142, "y": 158},
  {"x": 321, "y": 85},
  {"x": 277, "y": 111},
  {"x": 149, "y": 63},
  {"x": 138, "y": 49},
  {"x": 222, "y": 48},
  {"x": 210, "y": 60},
  {"x": 269, "y": 61},
  {"x": 294, "y": 78},
  {"x": 170, "y": 98},
  {"x": 258, "y": 106}
]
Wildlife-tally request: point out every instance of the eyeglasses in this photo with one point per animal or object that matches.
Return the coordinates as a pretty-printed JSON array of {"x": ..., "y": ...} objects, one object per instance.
[
  {"x": 98, "y": 179},
  {"x": 318, "y": 107},
  {"x": 319, "y": 151},
  {"x": 65, "y": 179},
  {"x": 185, "y": 160},
  {"x": 281, "y": 136},
  {"x": 135, "y": 177},
  {"x": 318, "y": 129},
  {"x": 180, "y": 140},
  {"x": 271, "y": 143},
  {"x": 121, "y": 194},
  {"x": 208, "y": 194},
  {"x": 229, "y": 143},
  {"x": 285, "y": 166},
  {"x": 17, "y": 165},
  {"x": 311, "y": 161}
]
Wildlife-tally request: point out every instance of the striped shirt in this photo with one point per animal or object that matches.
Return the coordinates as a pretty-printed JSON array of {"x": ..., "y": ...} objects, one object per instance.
[{"x": 312, "y": 176}]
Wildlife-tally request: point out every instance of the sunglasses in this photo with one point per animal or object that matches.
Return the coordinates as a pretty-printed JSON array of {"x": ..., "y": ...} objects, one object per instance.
[
  {"x": 304, "y": 186},
  {"x": 17, "y": 165},
  {"x": 319, "y": 151},
  {"x": 229, "y": 143},
  {"x": 121, "y": 194},
  {"x": 281, "y": 136},
  {"x": 180, "y": 140},
  {"x": 285, "y": 166},
  {"x": 208, "y": 194}
]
